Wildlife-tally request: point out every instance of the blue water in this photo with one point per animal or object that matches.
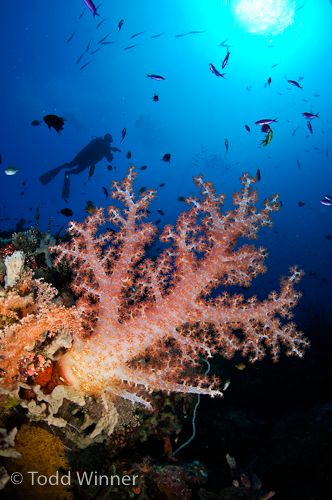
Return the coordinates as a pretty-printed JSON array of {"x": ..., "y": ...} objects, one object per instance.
[{"x": 195, "y": 114}]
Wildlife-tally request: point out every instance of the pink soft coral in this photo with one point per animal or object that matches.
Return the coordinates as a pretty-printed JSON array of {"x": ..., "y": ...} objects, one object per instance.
[{"x": 148, "y": 322}]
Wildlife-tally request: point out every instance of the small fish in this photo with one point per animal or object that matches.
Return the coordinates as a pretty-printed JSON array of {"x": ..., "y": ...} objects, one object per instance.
[
  {"x": 109, "y": 167},
  {"x": 131, "y": 46},
  {"x": 54, "y": 121},
  {"x": 223, "y": 43},
  {"x": 326, "y": 201},
  {"x": 294, "y": 131},
  {"x": 161, "y": 185},
  {"x": 161, "y": 212},
  {"x": 90, "y": 208},
  {"x": 167, "y": 157},
  {"x": 328, "y": 236},
  {"x": 69, "y": 39},
  {"x": 265, "y": 128},
  {"x": 258, "y": 175},
  {"x": 310, "y": 116},
  {"x": 105, "y": 43},
  {"x": 100, "y": 23},
  {"x": 82, "y": 14},
  {"x": 180, "y": 35},
  {"x": 36, "y": 123},
  {"x": 120, "y": 24},
  {"x": 0, "y": 158},
  {"x": 91, "y": 6},
  {"x": 275, "y": 65},
  {"x": 104, "y": 37},
  {"x": 67, "y": 212},
  {"x": 265, "y": 121},
  {"x": 11, "y": 171},
  {"x": 128, "y": 155},
  {"x": 195, "y": 32},
  {"x": 95, "y": 51},
  {"x": 298, "y": 163},
  {"x": 226, "y": 145},
  {"x": 225, "y": 61},
  {"x": 295, "y": 84},
  {"x": 142, "y": 189},
  {"x": 91, "y": 170},
  {"x": 301, "y": 6},
  {"x": 214, "y": 70},
  {"x": 247, "y": 128},
  {"x": 310, "y": 127},
  {"x": 80, "y": 57},
  {"x": 105, "y": 192},
  {"x": 155, "y": 77},
  {"x": 88, "y": 46},
  {"x": 268, "y": 138},
  {"x": 268, "y": 83},
  {"x": 157, "y": 222},
  {"x": 155, "y": 97},
  {"x": 123, "y": 134},
  {"x": 116, "y": 150},
  {"x": 85, "y": 65},
  {"x": 137, "y": 34},
  {"x": 181, "y": 198},
  {"x": 157, "y": 36},
  {"x": 301, "y": 203}
]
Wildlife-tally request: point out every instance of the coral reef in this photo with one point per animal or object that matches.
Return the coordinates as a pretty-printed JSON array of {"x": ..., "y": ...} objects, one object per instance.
[{"x": 138, "y": 326}]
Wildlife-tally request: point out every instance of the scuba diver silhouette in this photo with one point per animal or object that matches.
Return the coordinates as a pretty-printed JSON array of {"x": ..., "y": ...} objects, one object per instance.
[{"x": 96, "y": 150}]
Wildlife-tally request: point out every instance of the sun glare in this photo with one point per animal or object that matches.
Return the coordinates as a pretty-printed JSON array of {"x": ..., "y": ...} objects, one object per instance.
[{"x": 266, "y": 17}]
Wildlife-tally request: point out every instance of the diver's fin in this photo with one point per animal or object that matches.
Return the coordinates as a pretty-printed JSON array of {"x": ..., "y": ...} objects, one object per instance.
[
  {"x": 66, "y": 188},
  {"x": 49, "y": 176}
]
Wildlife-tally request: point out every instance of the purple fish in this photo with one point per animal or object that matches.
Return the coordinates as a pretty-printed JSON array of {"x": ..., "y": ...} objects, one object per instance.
[
  {"x": 310, "y": 127},
  {"x": 91, "y": 6},
  {"x": 215, "y": 71},
  {"x": 326, "y": 202},
  {"x": 155, "y": 77},
  {"x": 266, "y": 128},
  {"x": 265, "y": 121},
  {"x": 310, "y": 116}
]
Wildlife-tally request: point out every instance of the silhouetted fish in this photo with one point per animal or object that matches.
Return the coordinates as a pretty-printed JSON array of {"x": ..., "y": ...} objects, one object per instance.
[
  {"x": 54, "y": 121},
  {"x": 69, "y": 39},
  {"x": 137, "y": 34}
]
